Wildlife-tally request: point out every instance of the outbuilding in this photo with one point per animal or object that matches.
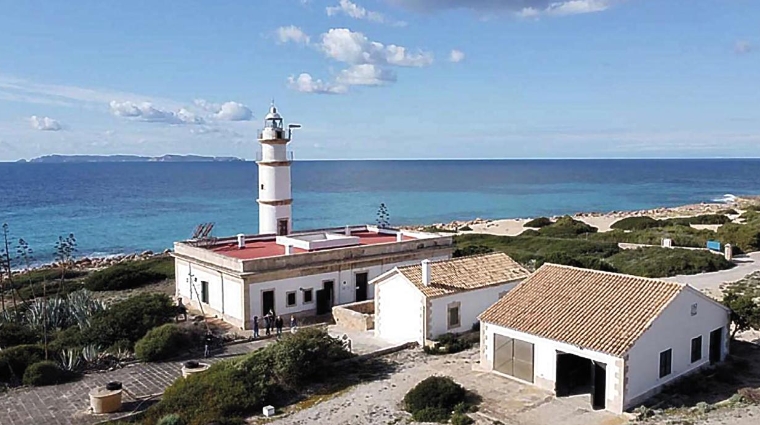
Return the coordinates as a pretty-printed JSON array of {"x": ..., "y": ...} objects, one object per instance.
[
  {"x": 616, "y": 337},
  {"x": 423, "y": 301}
]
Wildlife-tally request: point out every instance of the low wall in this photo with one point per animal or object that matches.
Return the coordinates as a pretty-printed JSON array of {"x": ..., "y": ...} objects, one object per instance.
[{"x": 355, "y": 316}]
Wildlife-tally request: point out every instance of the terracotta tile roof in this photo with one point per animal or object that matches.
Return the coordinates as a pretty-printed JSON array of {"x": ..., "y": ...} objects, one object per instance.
[
  {"x": 465, "y": 273},
  {"x": 595, "y": 310}
]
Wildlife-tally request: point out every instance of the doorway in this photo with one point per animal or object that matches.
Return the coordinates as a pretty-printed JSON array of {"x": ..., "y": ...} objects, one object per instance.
[
  {"x": 362, "y": 280},
  {"x": 716, "y": 342},
  {"x": 267, "y": 302},
  {"x": 282, "y": 227},
  {"x": 578, "y": 375},
  {"x": 325, "y": 297}
]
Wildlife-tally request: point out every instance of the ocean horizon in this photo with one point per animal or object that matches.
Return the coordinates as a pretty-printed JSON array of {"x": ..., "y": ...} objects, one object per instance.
[{"x": 118, "y": 208}]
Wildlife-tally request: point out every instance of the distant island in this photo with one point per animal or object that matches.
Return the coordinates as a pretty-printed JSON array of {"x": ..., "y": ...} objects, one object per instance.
[{"x": 58, "y": 159}]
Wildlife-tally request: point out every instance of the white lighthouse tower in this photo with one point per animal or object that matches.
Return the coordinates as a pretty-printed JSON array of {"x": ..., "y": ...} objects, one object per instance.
[{"x": 274, "y": 160}]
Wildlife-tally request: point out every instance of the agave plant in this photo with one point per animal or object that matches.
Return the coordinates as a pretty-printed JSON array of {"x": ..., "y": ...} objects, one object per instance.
[
  {"x": 92, "y": 354},
  {"x": 76, "y": 308},
  {"x": 70, "y": 359},
  {"x": 82, "y": 306}
]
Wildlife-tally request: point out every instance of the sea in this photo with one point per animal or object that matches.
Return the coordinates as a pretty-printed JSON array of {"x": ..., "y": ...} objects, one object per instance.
[{"x": 118, "y": 208}]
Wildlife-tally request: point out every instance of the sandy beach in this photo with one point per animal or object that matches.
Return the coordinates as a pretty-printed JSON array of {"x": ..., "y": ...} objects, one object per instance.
[{"x": 602, "y": 221}]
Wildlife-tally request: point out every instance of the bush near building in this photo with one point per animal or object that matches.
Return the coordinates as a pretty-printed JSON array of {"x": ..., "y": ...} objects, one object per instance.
[
  {"x": 131, "y": 275},
  {"x": 449, "y": 344},
  {"x": 130, "y": 320},
  {"x": 233, "y": 389},
  {"x": 45, "y": 372},
  {"x": 167, "y": 341},
  {"x": 434, "y": 399},
  {"x": 15, "y": 360}
]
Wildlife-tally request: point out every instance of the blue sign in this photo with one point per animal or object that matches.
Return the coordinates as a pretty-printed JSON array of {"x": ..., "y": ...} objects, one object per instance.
[{"x": 713, "y": 245}]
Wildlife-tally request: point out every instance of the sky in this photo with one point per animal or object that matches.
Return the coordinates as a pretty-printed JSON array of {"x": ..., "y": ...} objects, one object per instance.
[{"x": 383, "y": 79}]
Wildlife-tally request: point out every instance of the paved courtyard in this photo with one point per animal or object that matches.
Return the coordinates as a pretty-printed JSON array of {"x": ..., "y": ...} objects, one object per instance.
[{"x": 69, "y": 403}]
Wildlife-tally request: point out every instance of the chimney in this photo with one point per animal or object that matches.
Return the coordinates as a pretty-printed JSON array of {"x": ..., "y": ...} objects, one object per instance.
[
  {"x": 426, "y": 272},
  {"x": 288, "y": 249},
  {"x": 348, "y": 231},
  {"x": 241, "y": 240},
  {"x": 399, "y": 236}
]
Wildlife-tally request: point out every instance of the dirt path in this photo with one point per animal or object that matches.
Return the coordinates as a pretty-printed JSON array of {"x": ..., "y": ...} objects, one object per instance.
[{"x": 379, "y": 402}]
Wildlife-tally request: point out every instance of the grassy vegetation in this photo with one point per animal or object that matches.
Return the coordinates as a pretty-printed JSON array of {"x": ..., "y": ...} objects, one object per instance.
[
  {"x": 566, "y": 227},
  {"x": 641, "y": 223},
  {"x": 231, "y": 390},
  {"x": 435, "y": 229},
  {"x": 533, "y": 251},
  {"x": 681, "y": 236},
  {"x": 167, "y": 341},
  {"x": 538, "y": 222},
  {"x": 131, "y": 275}
]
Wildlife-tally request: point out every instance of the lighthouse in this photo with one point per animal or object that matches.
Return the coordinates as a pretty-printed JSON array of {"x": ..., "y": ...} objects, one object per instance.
[{"x": 274, "y": 160}]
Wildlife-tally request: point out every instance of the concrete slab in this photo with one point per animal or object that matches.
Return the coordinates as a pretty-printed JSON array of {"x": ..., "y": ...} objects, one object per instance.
[{"x": 362, "y": 342}]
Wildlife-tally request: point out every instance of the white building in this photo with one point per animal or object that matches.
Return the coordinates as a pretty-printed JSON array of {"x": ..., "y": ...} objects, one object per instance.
[
  {"x": 618, "y": 338},
  {"x": 423, "y": 301},
  {"x": 290, "y": 273}
]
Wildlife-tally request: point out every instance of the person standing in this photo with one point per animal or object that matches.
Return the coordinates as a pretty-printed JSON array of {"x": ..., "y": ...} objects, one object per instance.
[
  {"x": 255, "y": 327},
  {"x": 278, "y": 325},
  {"x": 208, "y": 341},
  {"x": 292, "y": 324},
  {"x": 181, "y": 309},
  {"x": 268, "y": 324}
]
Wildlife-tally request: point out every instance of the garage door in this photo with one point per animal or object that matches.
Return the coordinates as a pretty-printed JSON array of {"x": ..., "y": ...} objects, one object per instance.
[{"x": 513, "y": 357}]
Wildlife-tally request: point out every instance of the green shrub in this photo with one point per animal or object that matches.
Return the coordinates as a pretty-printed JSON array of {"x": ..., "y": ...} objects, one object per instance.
[
  {"x": 304, "y": 356},
  {"x": 636, "y": 223},
  {"x": 586, "y": 262},
  {"x": 435, "y": 398},
  {"x": 699, "y": 219},
  {"x": 130, "y": 275},
  {"x": 16, "y": 334},
  {"x": 130, "y": 319},
  {"x": 171, "y": 419},
  {"x": 165, "y": 341},
  {"x": 728, "y": 211},
  {"x": 745, "y": 237},
  {"x": 45, "y": 372},
  {"x": 525, "y": 249},
  {"x": 432, "y": 414},
  {"x": 449, "y": 344},
  {"x": 461, "y": 419},
  {"x": 15, "y": 360},
  {"x": 471, "y": 250},
  {"x": 680, "y": 235},
  {"x": 664, "y": 262},
  {"x": 566, "y": 227},
  {"x": 538, "y": 222},
  {"x": 231, "y": 390}
]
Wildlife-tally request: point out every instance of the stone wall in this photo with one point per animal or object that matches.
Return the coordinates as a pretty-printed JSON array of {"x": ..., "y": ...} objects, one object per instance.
[{"x": 356, "y": 316}]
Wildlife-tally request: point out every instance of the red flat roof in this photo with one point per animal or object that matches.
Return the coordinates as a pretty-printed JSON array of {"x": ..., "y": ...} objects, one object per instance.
[{"x": 270, "y": 248}]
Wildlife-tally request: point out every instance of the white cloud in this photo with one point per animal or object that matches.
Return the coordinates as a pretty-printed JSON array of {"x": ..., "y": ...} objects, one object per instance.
[
  {"x": 456, "y": 56},
  {"x": 355, "y": 11},
  {"x": 742, "y": 47},
  {"x": 234, "y": 111},
  {"x": 44, "y": 123},
  {"x": 355, "y": 48},
  {"x": 145, "y": 111},
  {"x": 228, "y": 111},
  {"x": 304, "y": 83},
  {"x": 522, "y": 8},
  {"x": 365, "y": 75},
  {"x": 292, "y": 34}
]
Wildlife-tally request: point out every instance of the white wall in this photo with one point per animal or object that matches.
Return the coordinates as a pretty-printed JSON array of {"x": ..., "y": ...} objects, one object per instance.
[
  {"x": 399, "y": 310},
  {"x": 276, "y": 181},
  {"x": 472, "y": 303},
  {"x": 674, "y": 329},
  {"x": 224, "y": 291},
  {"x": 345, "y": 288},
  {"x": 545, "y": 360},
  {"x": 269, "y": 214}
]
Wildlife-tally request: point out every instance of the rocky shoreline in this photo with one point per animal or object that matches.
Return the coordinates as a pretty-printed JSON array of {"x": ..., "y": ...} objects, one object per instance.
[{"x": 87, "y": 264}]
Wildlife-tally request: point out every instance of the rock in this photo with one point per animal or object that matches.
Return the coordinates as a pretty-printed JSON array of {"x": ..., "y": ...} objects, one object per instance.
[
  {"x": 167, "y": 251},
  {"x": 146, "y": 253}
]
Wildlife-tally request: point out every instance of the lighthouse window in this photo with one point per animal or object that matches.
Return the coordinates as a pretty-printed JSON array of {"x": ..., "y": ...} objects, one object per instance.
[{"x": 262, "y": 186}]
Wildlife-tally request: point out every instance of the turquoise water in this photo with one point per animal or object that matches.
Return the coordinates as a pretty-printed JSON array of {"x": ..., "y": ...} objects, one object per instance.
[{"x": 126, "y": 207}]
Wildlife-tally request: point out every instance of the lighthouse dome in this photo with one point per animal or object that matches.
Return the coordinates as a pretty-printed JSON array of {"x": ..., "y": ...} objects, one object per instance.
[{"x": 272, "y": 114}]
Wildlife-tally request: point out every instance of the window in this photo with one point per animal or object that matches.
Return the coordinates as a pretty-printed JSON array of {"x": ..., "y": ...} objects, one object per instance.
[
  {"x": 513, "y": 357},
  {"x": 308, "y": 295},
  {"x": 694, "y": 309},
  {"x": 666, "y": 360},
  {"x": 290, "y": 299},
  {"x": 204, "y": 292},
  {"x": 282, "y": 227},
  {"x": 454, "y": 319},
  {"x": 262, "y": 186},
  {"x": 696, "y": 349}
]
